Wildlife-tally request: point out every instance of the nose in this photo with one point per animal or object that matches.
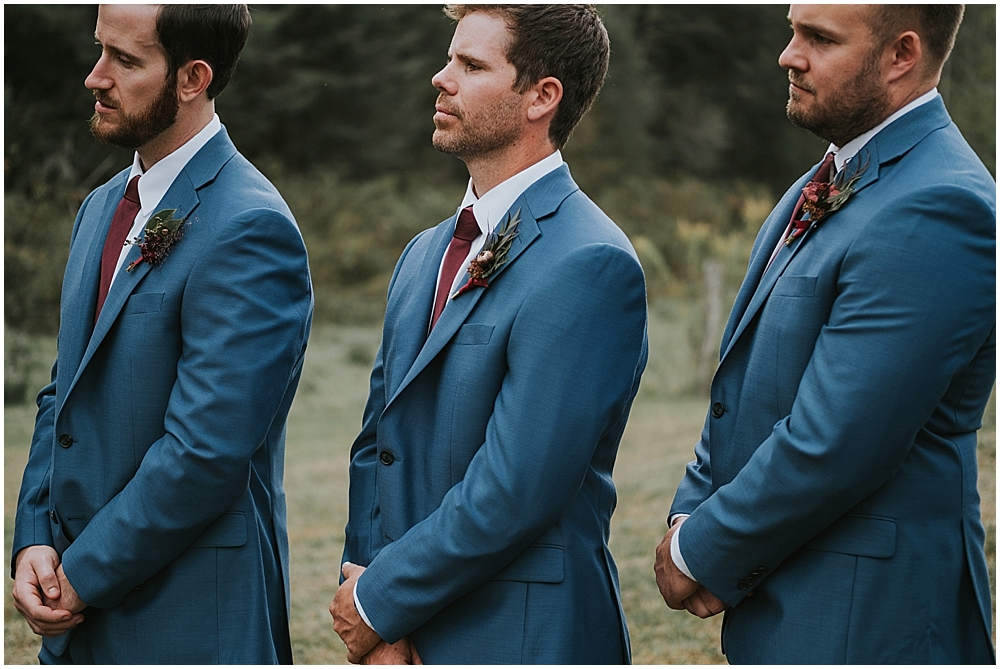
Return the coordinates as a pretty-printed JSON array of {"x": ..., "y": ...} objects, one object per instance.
[
  {"x": 98, "y": 78},
  {"x": 792, "y": 58},
  {"x": 443, "y": 81}
]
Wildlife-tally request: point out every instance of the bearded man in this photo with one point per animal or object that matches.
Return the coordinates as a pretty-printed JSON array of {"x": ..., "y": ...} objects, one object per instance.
[
  {"x": 832, "y": 506},
  {"x": 150, "y": 526},
  {"x": 514, "y": 338}
]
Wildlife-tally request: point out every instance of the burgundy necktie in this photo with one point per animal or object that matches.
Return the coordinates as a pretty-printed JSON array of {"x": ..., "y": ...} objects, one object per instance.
[
  {"x": 823, "y": 173},
  {"x": 465, "y": 231},
  {"x": 117, "y": 234}
]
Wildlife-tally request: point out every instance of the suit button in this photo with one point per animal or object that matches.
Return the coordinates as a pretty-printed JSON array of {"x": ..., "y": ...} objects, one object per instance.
[
  {"x": 52, "y": 515},
  {"x": 386, "y": 458},
  {"x": 718, "y": 409},
  {"x": 743, "y": 584},
  {"x": 65, "y": 440}
]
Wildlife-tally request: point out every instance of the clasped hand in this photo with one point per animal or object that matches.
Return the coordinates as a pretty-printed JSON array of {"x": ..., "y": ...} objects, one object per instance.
[
  {"x": 364, "y": 645},
  {"x": 43, "y": 594},
  {"x": 679, "y": 591}
]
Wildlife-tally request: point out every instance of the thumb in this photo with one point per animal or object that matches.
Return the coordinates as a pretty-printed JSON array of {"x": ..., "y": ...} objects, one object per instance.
[
  {"x": 349, "y": 569},
  {"x": 48, "y": 582}
]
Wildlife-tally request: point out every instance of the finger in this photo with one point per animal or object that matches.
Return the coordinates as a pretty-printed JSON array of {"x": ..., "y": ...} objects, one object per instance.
[
  {"x": 48, "y": 581},
  {"x": 414, "y": 655}
]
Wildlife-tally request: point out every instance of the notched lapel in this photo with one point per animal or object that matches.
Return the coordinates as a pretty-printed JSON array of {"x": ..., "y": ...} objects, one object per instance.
[{"x": 458, "y": 309}]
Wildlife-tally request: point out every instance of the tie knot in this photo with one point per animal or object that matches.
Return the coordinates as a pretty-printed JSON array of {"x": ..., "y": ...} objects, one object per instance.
[
  {"x": 132, "y": 190},
  {"x": 825, "y": 170},
  {"x": 467, "y": 228}
]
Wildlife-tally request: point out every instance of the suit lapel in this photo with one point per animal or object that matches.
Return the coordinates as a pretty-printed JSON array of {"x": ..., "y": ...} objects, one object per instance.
[
  {"x": 83, "y": 270},
  {"x": 890, "y": 143},
  {"x": 538, "y": 201},
  {"x": 182, "y": 196}
]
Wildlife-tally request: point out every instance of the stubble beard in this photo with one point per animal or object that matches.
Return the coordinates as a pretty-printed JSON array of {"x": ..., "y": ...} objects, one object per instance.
[
  {"x": 857, "y": 107},
  {"x": 137, "y": 129},
  {"x": 494, "y": 128}
]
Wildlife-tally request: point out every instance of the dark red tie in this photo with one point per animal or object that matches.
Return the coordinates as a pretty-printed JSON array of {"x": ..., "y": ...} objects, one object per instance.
[
  {"x": 796, "y": 225},
  {"x": 465, "y": 231},
  {"x": 120, "y": 225}
]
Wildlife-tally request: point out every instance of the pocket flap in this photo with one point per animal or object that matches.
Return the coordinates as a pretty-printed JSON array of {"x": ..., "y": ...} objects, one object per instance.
[
  {"x": 866, "y": 536},
  {"x": 227, "y": 531},
  {"x": 795, "y": 286},
  {"x": 537, "y": 564},
  {"x": 474, "y": 333},
  {"x": 143, "y": 303}
]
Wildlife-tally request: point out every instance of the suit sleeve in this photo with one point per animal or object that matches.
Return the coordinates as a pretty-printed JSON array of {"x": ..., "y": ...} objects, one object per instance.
[
  {"x": 244, "y": 319},
  {"x": 31, "y": 524},
  {"x": 576, "y": 349},
  {"x": 363, "y": 537},
  {"x": 915, "y": 302}
]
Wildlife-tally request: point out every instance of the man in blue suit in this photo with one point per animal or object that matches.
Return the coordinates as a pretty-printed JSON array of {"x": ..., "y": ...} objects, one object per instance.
[
  {"x": 151, "y": 525},
  {"x": 832, "y": 506},
  {"x": 513, "y": 343}
]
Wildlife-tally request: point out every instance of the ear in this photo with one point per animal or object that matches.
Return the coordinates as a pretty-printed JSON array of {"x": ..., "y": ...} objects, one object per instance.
[
  {"x": 905, "y": 55},
  {"x": 193, "y": 79},
  {"x": 544, "y": 98}
]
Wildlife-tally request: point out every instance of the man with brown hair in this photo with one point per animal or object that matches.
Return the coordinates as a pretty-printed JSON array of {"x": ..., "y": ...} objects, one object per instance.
[
  {"x": 832, "y": 506},
  {"x": 514, "y": 338},
  {"x": 150, "y": 527}
]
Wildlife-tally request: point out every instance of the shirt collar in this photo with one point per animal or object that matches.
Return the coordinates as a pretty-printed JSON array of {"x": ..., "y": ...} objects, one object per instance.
[
  {"x": 157, "y": 179},
  {"x": 849, "y": 150},
  {"x": 491, "y": 207}
]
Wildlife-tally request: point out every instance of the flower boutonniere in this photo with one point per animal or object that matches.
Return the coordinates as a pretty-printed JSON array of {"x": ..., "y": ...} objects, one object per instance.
[
  {"x": 162, "y": 232},
  {"x": 821, "y": 198},
  {"x": 493, "y": 256}
]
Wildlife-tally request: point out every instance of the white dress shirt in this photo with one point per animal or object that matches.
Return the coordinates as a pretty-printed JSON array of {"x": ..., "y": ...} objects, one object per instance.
[
  {"x": 489, "y": 210},
  {"x": 158, "y": 179},
  {"x": 840, "y": 158}
]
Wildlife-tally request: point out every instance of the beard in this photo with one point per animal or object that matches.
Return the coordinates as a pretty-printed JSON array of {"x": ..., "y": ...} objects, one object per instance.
[
  {"x": 859, "y": 105},
  {"x": 484, "y": 131},
  {"x": 137, "y": 129}
]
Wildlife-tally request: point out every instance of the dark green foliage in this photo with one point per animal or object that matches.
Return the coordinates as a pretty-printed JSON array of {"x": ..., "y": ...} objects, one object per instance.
[{"x": 685, "y": 147}]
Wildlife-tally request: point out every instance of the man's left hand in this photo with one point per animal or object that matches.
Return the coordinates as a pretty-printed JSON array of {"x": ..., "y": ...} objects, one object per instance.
[
  {"x": 347, "y": 622},
  {"x": 674, "y": 585}
]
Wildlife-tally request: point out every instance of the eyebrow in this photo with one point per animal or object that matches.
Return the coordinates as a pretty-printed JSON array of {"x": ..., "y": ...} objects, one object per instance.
[{"x": 116, "y": 50}]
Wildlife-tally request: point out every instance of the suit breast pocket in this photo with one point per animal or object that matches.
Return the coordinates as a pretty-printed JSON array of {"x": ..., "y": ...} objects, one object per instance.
[
  {"x": 474, "y": 334},
  {"x": 795, "y": 286},
  {"x": 143, "y": 303}
]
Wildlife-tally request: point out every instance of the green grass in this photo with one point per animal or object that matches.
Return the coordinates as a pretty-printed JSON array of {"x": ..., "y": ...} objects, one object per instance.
[{"x": 325, "y": 419}]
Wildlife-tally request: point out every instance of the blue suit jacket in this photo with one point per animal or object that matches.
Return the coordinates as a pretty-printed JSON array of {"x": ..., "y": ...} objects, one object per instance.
[
  {"x": 481, "y": 492},
  {"x": 836, "y": 475},
  {"x": 156, "y": 464}
]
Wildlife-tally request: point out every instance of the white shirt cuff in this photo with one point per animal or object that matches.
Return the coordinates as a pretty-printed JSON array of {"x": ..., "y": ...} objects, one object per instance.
[
  {"x": 361, "y": 611},
  {"x": 675, "y": 555}
]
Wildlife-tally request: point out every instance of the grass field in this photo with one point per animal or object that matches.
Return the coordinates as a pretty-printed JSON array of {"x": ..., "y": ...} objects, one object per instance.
[{"x": 325, "y": 418}]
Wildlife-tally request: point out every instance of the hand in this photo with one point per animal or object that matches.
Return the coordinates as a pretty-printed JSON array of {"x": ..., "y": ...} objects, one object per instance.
[
  {"x": 401, "y": 652},
  {"x": 68, "y": 599},
  {"x": 673, "y": 584},
  {"x": 704, "y": 604},
  {"x": 37, "y": 593},
  {"x": 347, "y": 622}
]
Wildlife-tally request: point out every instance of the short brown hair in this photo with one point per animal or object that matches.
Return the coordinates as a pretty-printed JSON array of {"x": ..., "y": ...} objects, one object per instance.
[
  {"x": 215, "y": 34},
  {"x": 567, "y": 42},
  {"x": 937, "y": 26}
]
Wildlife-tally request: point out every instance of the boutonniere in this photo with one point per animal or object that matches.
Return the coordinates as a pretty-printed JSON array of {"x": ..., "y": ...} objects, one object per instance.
[
  {"x": 493, "y": 256},
  {"x": 821, "y": 198},
  {"x": 162, "y": 232}
]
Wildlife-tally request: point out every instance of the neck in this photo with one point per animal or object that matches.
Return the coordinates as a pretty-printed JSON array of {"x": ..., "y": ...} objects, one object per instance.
[
  {"x": 492, "y": 169},
  {"x": 188, "y": 124}
]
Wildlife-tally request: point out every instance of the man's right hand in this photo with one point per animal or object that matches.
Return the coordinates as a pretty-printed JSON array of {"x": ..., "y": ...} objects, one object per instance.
[{"x": 36, "y": 586}]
